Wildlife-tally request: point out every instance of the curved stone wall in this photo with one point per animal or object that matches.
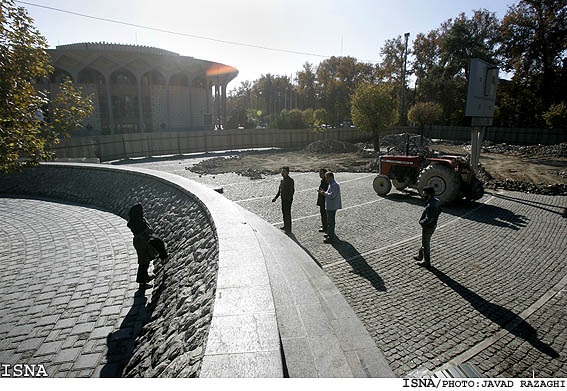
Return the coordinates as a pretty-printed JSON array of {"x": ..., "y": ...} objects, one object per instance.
[{"x": 172, "y": 342}]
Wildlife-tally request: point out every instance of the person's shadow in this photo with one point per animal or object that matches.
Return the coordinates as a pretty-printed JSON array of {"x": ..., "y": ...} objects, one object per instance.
[
  {"x": 503, "y": 317},
  {"x": 122, "y": 342},
  {"x": 294, "y": 238},
  {"x": 487, "y": 213},
  {"x": 359, "y": 264}
]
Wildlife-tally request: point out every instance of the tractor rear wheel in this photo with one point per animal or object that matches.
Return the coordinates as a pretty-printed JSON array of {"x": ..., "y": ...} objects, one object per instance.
[
  {"x": 382, "y": 185},
  {"x": 443, "y": 179},
  {"x": 476, "y": 190},
  {"x": 400, "y": 185}
]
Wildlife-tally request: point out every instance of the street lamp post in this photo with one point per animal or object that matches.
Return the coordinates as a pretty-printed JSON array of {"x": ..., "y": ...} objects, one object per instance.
[{"x": 403, "y": 119}]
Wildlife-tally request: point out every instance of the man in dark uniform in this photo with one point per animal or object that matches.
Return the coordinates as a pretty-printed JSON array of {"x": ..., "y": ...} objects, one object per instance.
[
  {"x": 321, "y": 199},
  {"x": 428, "y": 222},
  {"x": 286, "y": 191}
]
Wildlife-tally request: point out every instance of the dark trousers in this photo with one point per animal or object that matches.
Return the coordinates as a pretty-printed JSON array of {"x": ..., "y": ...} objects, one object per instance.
[
  {"x": 425, "y": 250},
  {"x": 286, "y": 211},
  {"x": 331, "y": 224},
  {"x": 142, "y": 276},
  {"x": 323, "y": 212}
]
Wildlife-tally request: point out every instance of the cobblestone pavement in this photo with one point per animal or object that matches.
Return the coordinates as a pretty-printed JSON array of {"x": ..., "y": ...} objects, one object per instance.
[
  {"x": 496, "y": 296},
  {"x": 68, "y": 296}
]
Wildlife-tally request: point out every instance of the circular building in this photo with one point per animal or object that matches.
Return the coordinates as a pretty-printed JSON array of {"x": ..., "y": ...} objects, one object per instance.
[{"x": 143, "y": 89}]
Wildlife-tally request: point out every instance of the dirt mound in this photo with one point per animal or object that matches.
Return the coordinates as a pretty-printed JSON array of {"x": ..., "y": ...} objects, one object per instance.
[
  {"x": 557, "y": 150},
  {"x": 331, "y": 146},
  {"x": 213, "y": 166},
  {"x": 221, "y": 165}
]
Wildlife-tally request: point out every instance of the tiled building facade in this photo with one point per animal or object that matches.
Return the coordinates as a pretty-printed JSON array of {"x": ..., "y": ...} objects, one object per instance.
[{"x": 143, "y": 89}]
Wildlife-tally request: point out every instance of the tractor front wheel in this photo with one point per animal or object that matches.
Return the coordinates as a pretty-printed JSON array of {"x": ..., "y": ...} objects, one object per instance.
[
  {"x": 382, "y": 185},
  {"x": 443, "y": 179}
]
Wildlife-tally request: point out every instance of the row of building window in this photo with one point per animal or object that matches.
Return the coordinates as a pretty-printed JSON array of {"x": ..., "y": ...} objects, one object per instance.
[{"x": 125, "y": 77}]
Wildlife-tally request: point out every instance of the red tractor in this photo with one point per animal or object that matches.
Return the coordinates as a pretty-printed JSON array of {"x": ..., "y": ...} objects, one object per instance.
[{"x": 452, "y": 177}]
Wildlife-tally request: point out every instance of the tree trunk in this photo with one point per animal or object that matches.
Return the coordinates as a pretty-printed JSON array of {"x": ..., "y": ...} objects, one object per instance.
[{"x": 376, "y": 141}]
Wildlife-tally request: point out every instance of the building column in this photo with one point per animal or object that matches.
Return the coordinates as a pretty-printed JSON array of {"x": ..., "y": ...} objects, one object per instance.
[
  {"x": 168, "y": 101},
  {"x": 190, "y": 86},
  {"x": 109, "y": 104},
  {"x": 207, "y": 98},
  {"x": 217, "y": 101},
  {"x": 141, "y": 126},
  {"x": 224, "y": 103}
]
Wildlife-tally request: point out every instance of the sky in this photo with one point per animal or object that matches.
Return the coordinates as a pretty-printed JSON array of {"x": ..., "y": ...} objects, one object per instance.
[{"x": 317, "y": 29}]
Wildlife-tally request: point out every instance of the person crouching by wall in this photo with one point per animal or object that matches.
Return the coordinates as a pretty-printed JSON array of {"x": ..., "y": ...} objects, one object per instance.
[
  {"x": 286, "y": 191},
  {"x": 147, "y": 246},
  {"x": 324, "y": 185}
]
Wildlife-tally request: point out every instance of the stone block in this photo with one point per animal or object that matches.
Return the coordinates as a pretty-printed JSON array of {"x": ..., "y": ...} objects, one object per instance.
[
  {"x": 299, "y": 359},
  {"x": 329, "y": 358},
  {"x": 244, "y": 300},
  {"x": 66, "y": 355},
  {"x": 242, "y": 333},
  {"x": 87, "y": 361},
  {"x": 245, "y": 365}
]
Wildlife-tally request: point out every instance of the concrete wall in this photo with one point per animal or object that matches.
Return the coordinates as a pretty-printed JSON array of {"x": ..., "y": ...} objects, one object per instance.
[
  {"x": 131, "y": 145},
  {"x": 516, "y": 136},
  {"x": 172, "y": 342}
]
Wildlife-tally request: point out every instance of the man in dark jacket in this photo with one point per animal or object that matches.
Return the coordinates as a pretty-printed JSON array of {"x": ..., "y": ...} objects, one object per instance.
[
  {"x": 428, "y": 222},
  {"x": 286, "y": 191},
  {"x": 324, "y": 185}
]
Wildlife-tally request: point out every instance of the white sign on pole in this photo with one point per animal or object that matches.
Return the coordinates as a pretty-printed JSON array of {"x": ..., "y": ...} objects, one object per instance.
[{"x": 481, "y": 94}]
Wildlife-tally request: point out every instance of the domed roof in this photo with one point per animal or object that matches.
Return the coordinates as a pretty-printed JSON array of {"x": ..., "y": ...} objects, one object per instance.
[{"x": 104, "y": 46}]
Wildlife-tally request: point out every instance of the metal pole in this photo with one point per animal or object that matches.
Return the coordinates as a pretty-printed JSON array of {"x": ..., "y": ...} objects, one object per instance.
[
  {"x": 477, "y": 134},
  {"x": 402, "y": 109}
]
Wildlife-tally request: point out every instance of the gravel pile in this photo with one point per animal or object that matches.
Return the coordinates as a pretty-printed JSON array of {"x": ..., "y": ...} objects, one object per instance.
[
  {"x": 562, "y": 174},
  {"x": 525, "y": 187},
  {"x": 253, "y": 173},
  {"x": 331, "y": 146},
  {"x": 557, "y": 150},
  {"x": 396, "y": 140},
  {"x": 396, "y": 145},
  {"x": 211, "y": 166}
]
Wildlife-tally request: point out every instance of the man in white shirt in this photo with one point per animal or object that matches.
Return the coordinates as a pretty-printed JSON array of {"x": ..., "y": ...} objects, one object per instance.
[{"x": 332, "y": 204}]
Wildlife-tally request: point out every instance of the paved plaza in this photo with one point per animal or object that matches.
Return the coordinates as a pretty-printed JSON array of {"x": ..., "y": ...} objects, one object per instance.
[
  {"x": 68, "y": 297},
  {"x": 496, "y": 296}
]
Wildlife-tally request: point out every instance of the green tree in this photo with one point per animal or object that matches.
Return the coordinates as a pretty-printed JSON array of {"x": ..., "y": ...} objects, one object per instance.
[
  {"x": 442, "y": 56},
  {"x": 424, "y": 113},
  {"x": 337, "y": 79},
  {"x": 534, "y": 44},
  {"x": 70, "y": 109},
  {"x": 272, "y": 92},
  {"x": 239, "y": 102},
  {"x": 391, "y": 67},
  {"x": 25, "y": 137},
  {"x": 308, "y": 117},
  {"x": 306, "y": 80},
  {"x": 288, "y": 119},
  {"x": 320, "y": 117},
  {"x": 556, "y": 116},
  {"x": 373, "y": 110}
]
